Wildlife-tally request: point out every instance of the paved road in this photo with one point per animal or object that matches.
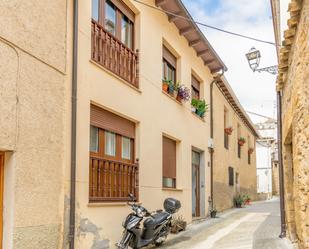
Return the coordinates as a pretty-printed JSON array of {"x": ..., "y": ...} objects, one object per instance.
[{"x": 253, "y": 227}]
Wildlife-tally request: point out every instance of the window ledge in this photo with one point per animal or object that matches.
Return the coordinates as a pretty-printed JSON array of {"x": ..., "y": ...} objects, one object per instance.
[
  {"x": 172, "y": 189},
  {"x": 197, "y": 116},
  {"x": 116, "y": 76},
  {"x": 171, "y": 97},
  {"x": 107, "y": 204}
]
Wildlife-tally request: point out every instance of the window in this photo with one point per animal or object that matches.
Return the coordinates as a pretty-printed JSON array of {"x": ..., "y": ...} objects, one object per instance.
[
  {"x": 126, "y": 148},
  {"x": 110, "y": 143},
  {"x": 94, "y": 139},
  {"x": 238, "y": 145},
  {"x": 116, "y": 18},
  {"x": 110, "y": 17},
  {"x": 195, "y": 88},
  {"x": 127, "y": 31},
  {"x": 95, "y": 10},
  {"x": 112, "y": 169},
  {"x": 231, "y": 176},
  {"x": 225, "y": 122},
  {"x": 169, "y": 163},
  {"x": 169, "y": 65}
]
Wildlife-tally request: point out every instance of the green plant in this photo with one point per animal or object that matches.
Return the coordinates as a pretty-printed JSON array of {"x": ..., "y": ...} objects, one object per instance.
[
  {"x": 239, "y": 200},
  {"x": 213, "y": 212},
  {"x": 242, "y": 139},
  {"x": 200, "y": 106}
]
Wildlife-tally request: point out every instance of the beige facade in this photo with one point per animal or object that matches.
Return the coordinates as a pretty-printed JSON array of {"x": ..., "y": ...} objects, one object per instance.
[
  {"x": 35, "y": 104},
  {"x": 33, "y": 73},
  {"x": 293, "y": 82},
  {"x": 244, "y": 173}
]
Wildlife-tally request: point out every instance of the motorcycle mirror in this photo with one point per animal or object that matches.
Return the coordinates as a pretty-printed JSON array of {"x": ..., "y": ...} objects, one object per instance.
[{"x": 131, "y": 196}]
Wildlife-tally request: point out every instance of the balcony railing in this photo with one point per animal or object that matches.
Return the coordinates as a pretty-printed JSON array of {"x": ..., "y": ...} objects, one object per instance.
[
  {"x": 111, "y": 180},
  {"x": 112, "y": 54}
]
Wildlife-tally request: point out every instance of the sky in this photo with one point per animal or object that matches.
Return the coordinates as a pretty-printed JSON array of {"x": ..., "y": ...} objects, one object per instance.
[{"x": 255, "y": 91}]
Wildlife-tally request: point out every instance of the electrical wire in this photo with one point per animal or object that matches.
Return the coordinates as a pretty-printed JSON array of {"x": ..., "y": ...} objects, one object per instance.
[{"x": 208, "y": 26}]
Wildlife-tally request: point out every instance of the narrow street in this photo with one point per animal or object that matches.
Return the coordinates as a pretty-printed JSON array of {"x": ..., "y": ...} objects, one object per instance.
[{"x": 256, "y": 226}]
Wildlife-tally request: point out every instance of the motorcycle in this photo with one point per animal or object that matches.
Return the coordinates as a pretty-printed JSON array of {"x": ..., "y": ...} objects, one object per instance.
[{"x": 156, "y": 226}]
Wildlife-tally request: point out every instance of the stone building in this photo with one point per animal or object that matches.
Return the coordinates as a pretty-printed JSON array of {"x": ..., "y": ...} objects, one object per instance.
[
  {"x": 132, "y": 136},
  {"x": 293, "y": 83},
  {"x": 234, "y": 162}
]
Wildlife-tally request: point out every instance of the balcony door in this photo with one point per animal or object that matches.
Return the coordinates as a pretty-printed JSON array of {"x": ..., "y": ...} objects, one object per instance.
[
  {"x": 1, "y": 195},
  {"x": 196, "y": 189}
]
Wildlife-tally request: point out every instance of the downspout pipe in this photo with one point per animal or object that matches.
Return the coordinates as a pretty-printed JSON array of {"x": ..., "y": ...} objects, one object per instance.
[
  {"x": 281, "y": 169},
  {"x": 211, "y": 148},
  {"x": 73, "y": 127}
]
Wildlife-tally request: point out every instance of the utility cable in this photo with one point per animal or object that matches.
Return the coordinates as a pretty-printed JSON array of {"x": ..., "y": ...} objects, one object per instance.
[{"x": 206, "y": 25}]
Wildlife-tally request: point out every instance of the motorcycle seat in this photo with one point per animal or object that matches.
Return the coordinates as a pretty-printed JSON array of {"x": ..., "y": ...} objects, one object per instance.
[{"x": 158, "y": 218}]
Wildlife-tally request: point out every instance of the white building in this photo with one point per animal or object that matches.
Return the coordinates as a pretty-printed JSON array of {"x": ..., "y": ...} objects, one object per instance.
[{"x": 265, "y": 151}]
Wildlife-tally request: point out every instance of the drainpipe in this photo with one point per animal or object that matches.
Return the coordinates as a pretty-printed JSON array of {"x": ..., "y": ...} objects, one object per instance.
[
  {"x": 281, "y": 169},
  {"x": 211, "y": 148},
  {"x": 73, "y": 126}
]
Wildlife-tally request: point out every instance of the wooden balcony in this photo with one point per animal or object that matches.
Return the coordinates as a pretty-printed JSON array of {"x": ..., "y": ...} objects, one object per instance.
[
  {"x": 111, "y": 180},
  {"x": 112, "y": 54}
]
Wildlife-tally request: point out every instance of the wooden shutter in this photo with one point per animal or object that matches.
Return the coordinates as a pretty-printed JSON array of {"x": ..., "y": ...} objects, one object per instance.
[
  {"x": 195, "y": 83},
  {"x": 169, "y": 57},
  {"x": 231, "y": 176},
  {"x": 112, "y": 122},
  {"x": 169, "y": 158}
]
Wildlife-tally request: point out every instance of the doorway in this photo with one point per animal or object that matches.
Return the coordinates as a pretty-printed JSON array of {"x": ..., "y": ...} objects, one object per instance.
[
  {"x": 1, "y": 195},
  {"x": 196, "y": 191}
]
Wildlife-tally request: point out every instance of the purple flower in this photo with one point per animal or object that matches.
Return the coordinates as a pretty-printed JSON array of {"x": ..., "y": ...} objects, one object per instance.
[{"x": 184, "y": 92}]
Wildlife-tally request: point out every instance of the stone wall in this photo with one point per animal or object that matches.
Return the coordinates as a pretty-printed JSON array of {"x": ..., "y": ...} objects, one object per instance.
[
  {"x": 225, "y": 158},
  {"x": 295, "y": 105},
  {"x": 275, "y": 178}
]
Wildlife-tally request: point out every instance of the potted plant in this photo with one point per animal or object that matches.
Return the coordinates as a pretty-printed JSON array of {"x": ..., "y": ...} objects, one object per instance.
[
  {"x": 238, "y": 201},
  {"x": 250, "y": 150},
  {"x": 165, "y": 84},
  {"x": 178, "y": 224},
  {"x": 247, "y": 199},
  {"x": 213, "y": 212},
  {"x": 194, "y": 104},
  {"x": 228, "y": 130},
  {"x": 201, "y": 108},
  {"x": 171, "y": 87},
  {"x": 241, "y": 141},
  {"x": 176, "y": 89},
  {"x": 183, "y": 93}
]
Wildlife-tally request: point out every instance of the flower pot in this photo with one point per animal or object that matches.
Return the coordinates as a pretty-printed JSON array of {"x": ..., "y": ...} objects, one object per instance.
[
  {"x": 193, "y": 109},
  {"x": 238, "y": 205},
  {"x": 241, "y": 143},
  {"x": 200, "y": 113},
  {"x": 213, "y": 214},
  {"x": 165, "y": 87},
  {"x": 175, "y": 93},
  {"x": 178, "y": 98}
]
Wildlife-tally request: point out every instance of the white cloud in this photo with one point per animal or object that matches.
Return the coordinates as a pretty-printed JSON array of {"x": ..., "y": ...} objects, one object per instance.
[{"x": 256, "y": 91}]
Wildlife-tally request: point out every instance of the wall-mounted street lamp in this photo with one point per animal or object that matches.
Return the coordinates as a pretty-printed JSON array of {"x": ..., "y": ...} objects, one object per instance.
[{"x": 253, "y": 57}]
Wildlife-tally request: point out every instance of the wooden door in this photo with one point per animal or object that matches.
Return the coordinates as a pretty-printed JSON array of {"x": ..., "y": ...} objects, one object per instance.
[
  {"x": 195, "y": 184},
  {"x": 1, "y": 195}
]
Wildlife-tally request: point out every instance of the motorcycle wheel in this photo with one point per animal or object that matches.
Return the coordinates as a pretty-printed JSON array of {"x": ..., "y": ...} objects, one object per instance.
[
  {"x": 159, "y": 241},
  {"x": 128, "y": 244}
]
